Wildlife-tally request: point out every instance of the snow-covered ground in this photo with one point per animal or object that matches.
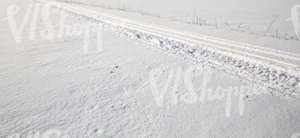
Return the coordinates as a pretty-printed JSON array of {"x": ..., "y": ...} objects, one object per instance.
[{"x": 54, "y": 84}]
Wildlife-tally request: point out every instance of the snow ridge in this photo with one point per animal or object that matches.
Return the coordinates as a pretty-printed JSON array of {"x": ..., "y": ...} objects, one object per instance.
[{"x": 262, "y": 65}]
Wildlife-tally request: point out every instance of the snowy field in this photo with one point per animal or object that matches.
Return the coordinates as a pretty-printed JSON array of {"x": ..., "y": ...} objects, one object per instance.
[{"x": 130, "y": 88}]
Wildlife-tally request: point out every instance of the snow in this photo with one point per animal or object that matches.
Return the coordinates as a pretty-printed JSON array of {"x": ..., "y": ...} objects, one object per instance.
[{"x": 54, "y": 84}]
